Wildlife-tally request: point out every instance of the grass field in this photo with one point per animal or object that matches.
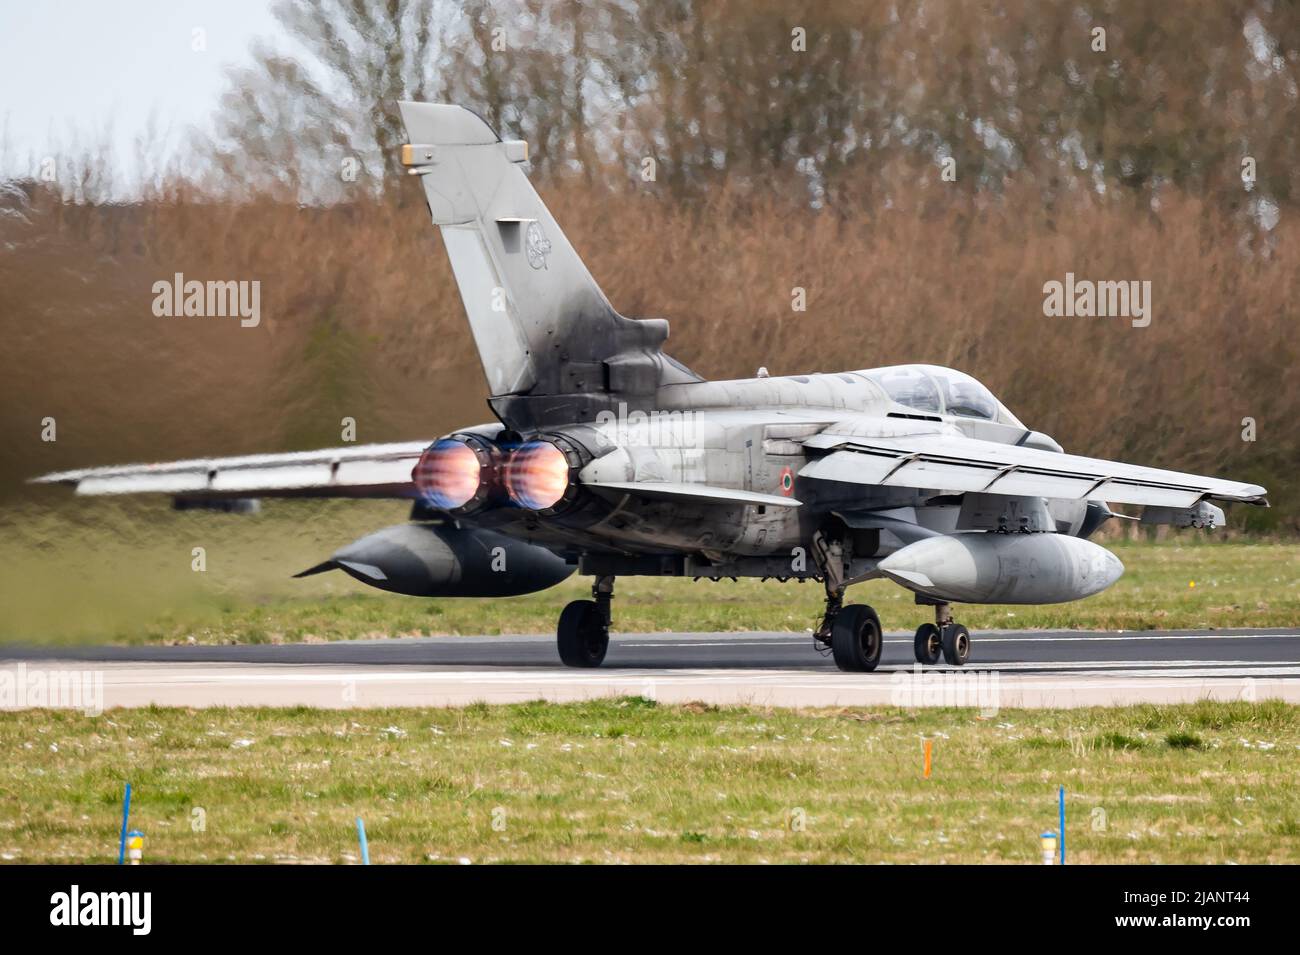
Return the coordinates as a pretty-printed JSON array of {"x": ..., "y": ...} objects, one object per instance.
[
  {"x": 630, "y": 781},
  {"x": 122, "y": 573},
  {"x": 1166, "y": 587}
]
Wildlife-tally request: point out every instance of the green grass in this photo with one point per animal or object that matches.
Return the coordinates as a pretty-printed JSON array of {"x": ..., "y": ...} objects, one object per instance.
[
  {"x": 121, "y": 572},
  {"x": 631, "y": 781}
]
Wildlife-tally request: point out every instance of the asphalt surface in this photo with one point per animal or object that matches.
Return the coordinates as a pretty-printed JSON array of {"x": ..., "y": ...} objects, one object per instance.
[
  {"x": 1035, "y": 649},
  {"x": 1014, "y": 668}
]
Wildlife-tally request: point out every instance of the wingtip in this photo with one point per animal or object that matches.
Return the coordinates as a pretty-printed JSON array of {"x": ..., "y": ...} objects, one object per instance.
[
  {"x": 320, "y": 568},
  {"x": 1249, "y": 494}
]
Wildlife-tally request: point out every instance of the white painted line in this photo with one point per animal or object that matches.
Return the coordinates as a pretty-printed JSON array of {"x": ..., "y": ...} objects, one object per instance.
[
  {"x": 634, "y": 678},
  {"x": 976, "y": 664},
  {"x": 687, "y": 643},
  {"x": 979, "y": 638}
]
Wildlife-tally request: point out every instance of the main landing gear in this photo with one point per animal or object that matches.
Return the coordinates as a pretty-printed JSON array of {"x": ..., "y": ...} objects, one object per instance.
[
  {"x": 582, "y": 635},
  {"x": 853, "y": 633},
  {"x": 855, "y": 637},
  {"x": 943, "y": 636}
]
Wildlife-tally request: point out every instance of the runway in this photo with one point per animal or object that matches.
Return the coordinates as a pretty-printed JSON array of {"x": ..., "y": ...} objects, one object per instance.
[{"x": 1008, "y": 669}]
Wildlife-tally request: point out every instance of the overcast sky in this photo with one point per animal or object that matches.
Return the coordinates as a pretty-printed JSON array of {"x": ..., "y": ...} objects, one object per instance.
[{"x": 76, "y": 65}]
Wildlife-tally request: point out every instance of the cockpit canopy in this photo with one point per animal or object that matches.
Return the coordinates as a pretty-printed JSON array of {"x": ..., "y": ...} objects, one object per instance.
[{"x": 932, "y": 389}]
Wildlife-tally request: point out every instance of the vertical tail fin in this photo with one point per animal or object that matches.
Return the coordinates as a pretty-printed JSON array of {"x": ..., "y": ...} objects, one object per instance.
[{"x": 541, "y": 323}]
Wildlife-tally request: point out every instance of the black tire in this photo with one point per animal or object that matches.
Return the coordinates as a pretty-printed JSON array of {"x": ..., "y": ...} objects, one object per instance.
[
  {"x": 581, "y": 636},
  {"x": 956, "y": 644},
  {"x": 856, "y": 639},
  {"x": 928, "y": 644}
]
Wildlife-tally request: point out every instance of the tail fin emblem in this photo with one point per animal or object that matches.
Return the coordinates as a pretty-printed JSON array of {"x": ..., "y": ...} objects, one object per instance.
[{"x": 537, "y": 245}]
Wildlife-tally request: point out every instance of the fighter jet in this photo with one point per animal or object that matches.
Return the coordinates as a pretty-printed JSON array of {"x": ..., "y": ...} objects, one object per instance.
[{"x": 609, "y": 458}]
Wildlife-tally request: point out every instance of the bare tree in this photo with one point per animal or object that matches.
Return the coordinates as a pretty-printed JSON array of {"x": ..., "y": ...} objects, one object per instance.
[{"x": 845, "y": 99}]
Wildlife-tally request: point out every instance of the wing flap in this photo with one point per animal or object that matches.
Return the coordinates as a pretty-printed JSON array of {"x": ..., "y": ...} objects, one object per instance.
[
  {"x": 1027, "y": 484},
  {"x": 960, "y": 464},
  {"x": 851, "y": 467}
]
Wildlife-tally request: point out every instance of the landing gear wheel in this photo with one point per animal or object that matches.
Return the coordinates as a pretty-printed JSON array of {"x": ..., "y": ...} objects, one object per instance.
[
  {"x": 856, "y": 639},
  {"x": 928, "y": 644},
  {"x": 956, "y": 644},
  {"x": 582, "y": 636}
]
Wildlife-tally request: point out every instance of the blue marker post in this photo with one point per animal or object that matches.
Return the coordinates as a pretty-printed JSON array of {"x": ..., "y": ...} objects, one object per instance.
[
  {"x": 126, "y": 814},
  {"x": 1061, "y": 796},
  {"x": 365, "y": 849}
]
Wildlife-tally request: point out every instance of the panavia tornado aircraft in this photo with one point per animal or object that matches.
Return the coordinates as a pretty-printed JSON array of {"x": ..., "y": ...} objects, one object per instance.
[{"x": 610, "y": 458}]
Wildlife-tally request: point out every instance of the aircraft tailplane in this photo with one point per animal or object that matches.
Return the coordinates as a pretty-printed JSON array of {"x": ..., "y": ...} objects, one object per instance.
[{"x": 543, "y": 328}]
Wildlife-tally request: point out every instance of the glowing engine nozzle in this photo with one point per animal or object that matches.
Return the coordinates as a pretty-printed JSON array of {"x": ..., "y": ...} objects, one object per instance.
[
  {"x": 449, "y": 474},
  {"x": 537, "y": 475}
]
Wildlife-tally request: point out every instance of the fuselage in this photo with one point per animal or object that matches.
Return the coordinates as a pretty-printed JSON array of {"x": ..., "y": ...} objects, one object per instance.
[{"x": 748, "y": 435}]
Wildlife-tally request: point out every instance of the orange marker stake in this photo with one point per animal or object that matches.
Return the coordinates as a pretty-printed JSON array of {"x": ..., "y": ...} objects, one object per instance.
[{"x": 929, "y": 746}]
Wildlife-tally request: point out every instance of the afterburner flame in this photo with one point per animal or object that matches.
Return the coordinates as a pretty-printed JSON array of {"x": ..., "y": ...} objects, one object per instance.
[
  {"x": 448, "y": 474},
  {"x": 537, "y": 475}
]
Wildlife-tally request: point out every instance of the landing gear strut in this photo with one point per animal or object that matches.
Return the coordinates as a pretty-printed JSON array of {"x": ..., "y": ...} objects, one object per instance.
[
  {"x": 944, "y": 636},
  {"x": 582, "y": 635},
  {"x": 853, "y": 633}
]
